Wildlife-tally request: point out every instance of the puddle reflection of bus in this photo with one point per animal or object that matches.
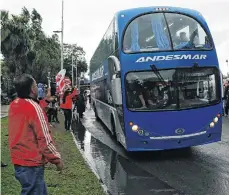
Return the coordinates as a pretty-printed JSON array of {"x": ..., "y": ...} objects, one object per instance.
[{"x": 120, "y": 175}]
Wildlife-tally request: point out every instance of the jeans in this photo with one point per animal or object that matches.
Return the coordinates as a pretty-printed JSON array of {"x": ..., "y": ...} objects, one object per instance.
[{"x": 31, "y": 180}]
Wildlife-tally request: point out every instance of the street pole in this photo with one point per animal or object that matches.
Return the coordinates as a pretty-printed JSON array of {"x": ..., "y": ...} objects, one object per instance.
[
  {"x": 76, "y": 75},
  {"x": 72, "y": 71},
  {"x": 49, "y": 80},
  {"x": 227, "y": 68},
  {"x": 62, "y": 36}
]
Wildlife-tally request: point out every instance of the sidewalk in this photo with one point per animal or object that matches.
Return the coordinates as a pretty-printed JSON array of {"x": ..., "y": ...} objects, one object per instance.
[{"x": 76, "y": 177}]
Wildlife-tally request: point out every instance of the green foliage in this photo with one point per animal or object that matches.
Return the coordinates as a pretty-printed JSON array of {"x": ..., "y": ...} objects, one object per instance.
[
  {"x": 26, "y": 48},
  {"x": 76, "y": 177},
  {"x": 76, "y": 55}
]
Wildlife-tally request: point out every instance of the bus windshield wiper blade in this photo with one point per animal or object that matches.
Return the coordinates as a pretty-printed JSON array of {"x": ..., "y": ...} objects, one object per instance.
[{"x": 157, "y": 73}]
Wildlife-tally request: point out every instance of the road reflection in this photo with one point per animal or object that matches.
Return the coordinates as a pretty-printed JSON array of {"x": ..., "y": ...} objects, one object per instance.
[{"x": 118, "y": 174}]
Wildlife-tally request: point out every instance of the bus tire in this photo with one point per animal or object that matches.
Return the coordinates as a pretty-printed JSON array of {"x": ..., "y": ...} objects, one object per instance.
[{"x": 113, "y": 128}]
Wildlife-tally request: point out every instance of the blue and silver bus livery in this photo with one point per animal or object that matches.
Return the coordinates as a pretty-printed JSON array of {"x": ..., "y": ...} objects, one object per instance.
[{"x": 155, "y": 79}]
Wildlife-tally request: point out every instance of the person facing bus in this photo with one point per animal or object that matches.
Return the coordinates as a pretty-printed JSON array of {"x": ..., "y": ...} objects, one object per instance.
[
  {"x": 226, "y": 99},
  {"x": 30, "y": 141},
  {"x": 66, "y": 105},
  {"x": 80, "y": 104}
]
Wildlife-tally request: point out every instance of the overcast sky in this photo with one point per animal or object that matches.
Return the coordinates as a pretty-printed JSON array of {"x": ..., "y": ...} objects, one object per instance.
[{"x": 86, "y": 21}]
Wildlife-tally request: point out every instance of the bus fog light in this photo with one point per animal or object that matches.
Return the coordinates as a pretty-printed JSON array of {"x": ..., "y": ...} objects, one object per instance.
[
  {"x": 212, "y": 124},
  {"x": 216, "y": 120},
  {"x": 134, "y": 127}
]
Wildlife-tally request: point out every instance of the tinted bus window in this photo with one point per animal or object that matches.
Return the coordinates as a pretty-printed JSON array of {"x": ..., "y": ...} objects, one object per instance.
[
  {"x": 147, "y": 33},
  {"x": 150, "y": 33},
  {"x": 187, "y": 33},
  {"x": 181, "y": 88}
]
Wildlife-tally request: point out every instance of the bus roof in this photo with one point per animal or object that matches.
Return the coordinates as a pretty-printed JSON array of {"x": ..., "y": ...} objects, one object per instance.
[{"x": 140, "y": 10}]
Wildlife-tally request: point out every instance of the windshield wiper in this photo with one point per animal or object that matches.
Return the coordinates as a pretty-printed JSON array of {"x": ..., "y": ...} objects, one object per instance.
[
  {"x": 158, "y": 74},
  {"x": 162, "y": 81}
]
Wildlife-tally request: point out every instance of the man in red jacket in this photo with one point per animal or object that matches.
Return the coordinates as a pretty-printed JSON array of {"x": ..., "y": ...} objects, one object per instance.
[{"x": 30, "y": 140}]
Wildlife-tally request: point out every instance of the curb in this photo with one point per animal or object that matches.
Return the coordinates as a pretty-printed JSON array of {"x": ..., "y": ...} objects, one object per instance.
[{"x": 105, "y": 189}]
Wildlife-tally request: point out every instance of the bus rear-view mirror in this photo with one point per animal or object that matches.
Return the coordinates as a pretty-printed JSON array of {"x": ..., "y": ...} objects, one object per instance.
[{"x": 116, "y": 91}]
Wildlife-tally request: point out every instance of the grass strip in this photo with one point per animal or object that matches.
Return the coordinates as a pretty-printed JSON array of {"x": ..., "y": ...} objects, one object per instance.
[{"x": 76, "y": 178}]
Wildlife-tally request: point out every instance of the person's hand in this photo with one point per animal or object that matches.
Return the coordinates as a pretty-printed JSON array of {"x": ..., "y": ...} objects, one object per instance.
[{"x": 60, "y": 166}]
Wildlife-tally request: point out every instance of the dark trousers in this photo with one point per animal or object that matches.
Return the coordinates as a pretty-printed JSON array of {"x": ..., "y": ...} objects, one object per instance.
[
  {"x": 226, "y": 108},
  {"x": 50, "y": 114},
  {"x": 68, "y": 118},
  {"x": 31, "y": 180},
  {"x": 55, "y": 115}
]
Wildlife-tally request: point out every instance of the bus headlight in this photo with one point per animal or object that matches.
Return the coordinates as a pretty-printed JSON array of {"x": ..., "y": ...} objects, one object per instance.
[
  {"x": 216, "y": 119},
  {"x": 134, "y": 127},
  {"x": 212, "y": 124}
]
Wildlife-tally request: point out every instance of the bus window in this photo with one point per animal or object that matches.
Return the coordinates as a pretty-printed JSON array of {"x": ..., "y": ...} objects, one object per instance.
[
  {"x": 182, "y": 88},
  {"x": 147, "y": 33},
  {"x": 187, "y": 33}
]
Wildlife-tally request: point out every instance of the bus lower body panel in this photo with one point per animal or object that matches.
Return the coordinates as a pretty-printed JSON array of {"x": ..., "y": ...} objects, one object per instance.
[{"x": 147, "y": 144}]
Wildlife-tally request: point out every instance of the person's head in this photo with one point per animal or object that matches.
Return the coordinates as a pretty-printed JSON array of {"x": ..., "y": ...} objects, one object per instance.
[
  {"x": 227, "y": 83},
  {"x": 183, "y": 37},
  {"x": 26, "y": 86},
  {"x": 40, "y": 85}
]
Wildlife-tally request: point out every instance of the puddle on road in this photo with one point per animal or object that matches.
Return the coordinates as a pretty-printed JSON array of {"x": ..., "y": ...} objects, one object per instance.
[{"x": 118, "y": 174}]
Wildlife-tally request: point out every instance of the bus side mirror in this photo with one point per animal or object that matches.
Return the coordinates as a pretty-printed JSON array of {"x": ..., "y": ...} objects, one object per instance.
[
  {"x": 115, "y": 80},
  {"x": 116, "y": 90}
]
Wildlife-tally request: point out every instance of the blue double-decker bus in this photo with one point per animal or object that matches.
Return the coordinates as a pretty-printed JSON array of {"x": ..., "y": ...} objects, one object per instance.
[{"x": 155, "y": 79}]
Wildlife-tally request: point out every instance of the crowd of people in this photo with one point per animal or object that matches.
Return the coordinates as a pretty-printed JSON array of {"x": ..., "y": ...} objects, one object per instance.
[
  {"x": 30, "y": 140},
  {"x": 68, "y": 102}
]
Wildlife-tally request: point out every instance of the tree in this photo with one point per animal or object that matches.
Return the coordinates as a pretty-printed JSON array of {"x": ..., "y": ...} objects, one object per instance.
[
  {"x": 78, "y": 54},
  {"x": 15, "y": 41},
  {"x": 26, "y": 48}
]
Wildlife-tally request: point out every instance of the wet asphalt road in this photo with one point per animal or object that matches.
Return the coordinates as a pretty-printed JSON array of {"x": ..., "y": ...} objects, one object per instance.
[{"x": 201, "y": 170}]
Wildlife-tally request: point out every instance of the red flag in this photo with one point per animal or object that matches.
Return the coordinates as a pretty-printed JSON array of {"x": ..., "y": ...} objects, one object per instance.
[{"x": 60, "y": 84}]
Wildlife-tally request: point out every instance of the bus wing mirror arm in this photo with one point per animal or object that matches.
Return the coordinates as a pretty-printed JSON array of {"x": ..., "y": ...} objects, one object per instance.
[{"x": 116, "y": 63}]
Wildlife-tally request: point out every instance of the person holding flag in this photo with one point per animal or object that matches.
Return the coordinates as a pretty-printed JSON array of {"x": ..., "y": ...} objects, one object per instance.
[{"x": 67, "y": 104}]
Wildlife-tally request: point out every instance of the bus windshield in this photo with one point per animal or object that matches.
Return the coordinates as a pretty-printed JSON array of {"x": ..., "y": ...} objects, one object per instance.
[
  {"x": 152, "y": 32},
  {"x": 181, "y": 88}
]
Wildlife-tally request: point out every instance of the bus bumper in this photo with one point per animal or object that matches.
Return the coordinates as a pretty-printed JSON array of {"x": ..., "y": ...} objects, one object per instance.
[{"x": 148, "y": 144}]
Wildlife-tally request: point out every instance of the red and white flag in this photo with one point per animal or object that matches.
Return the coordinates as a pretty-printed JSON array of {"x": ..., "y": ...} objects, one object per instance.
[{"x": 60, "y": 81}]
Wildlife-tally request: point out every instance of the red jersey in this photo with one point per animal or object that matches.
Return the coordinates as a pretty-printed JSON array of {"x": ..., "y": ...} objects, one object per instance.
[
  {"x": 68, "y": 100},
  {"x": 43, "y": 104},
  {"x": 30, "y": 140}
]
